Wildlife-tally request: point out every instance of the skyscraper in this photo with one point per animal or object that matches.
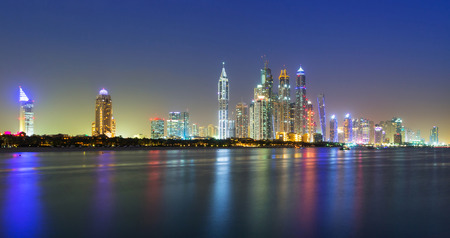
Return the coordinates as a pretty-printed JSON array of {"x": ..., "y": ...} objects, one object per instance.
[
  {"x": 434, "y": 135},
  {"x": 300, "y": 102},
  {"x": 241, "y": 120},
  {"x": 156, "y": 128},
  {"x": 283, "y": 105},
  {"x": 104, "y": 123},
  {"x": 26, "y": 114},
  {"x": 322, "y": 116},
  {"x": 378, "y": 135},
  {"x": 178, "y": 125},
  {"x": 334, "y": 129},
  {"x": 261, "y": 109},
  {"x": 310, "y": 123},
  {"x": 223, "y": 97},
  {"x": 348, "y": 129}
]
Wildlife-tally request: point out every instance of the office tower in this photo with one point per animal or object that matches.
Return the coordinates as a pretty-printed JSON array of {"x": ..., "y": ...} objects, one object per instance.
[
  {"x": 322, "y": 117},
  {"x": 356, "y": 133},
  {"x": 378, "y": 135},
  {"x": 371, "y": 132},
  {"x": 156, "y": 128},
  {"x": 389, "y": 130},
  {"x": 334, "y": 129},
  {"x": 300, "y": 102},
  {"x": 203, "y": 131},
  {"x": 211, "y": 131},
  {"x": 178, "y": 125},
  {"x": 26, "y": 114},
  {"x": 283, "y": 104},
  {"x": 231, "y": 129},
  {"x": 104, "y": 123},
  {"x": 261, "y": 109},
  {"x": 348, "y": 129},
  {"x": 341, "y": 138},
  {"x": 311, "y": 124},
  {"x": 292, "y": 117},
  {"x": 194, "y": 130},
  {"x": 361, "y": 131},
  {"x": 242, "y": 120},
  {"x": 434, "y": 135},
  {"x": 223, "y": 97}
]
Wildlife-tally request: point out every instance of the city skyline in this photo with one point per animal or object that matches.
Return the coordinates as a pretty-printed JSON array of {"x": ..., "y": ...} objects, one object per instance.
[{"x": 359, "y": 72}]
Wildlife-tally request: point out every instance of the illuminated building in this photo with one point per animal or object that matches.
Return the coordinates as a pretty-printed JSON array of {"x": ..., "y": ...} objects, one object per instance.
[
  {"x": 194, "y": 130},
  {"x": 203, "y": 131},
  {"x": 300, "y": 102},
  {"x": 104, "y": 123},
  {"x": 211, "y": 131},
  {"x": 434, "y": 135},
  {"x": 292, "y": 117},
  {"x": 371, "y": 132},
  {"x": 242, "y": 120},
  {"x": 178, "y": 125},
  {"x": 348, "y": 129},
  {"x": 156, "y": 128},
  {"x": 318, "y": 137},
  {"x": 378, "y": 135},
  {"x": 311, "y": 125},
  {"x": 283, "y": 104},
  {"x": 398, "y": 139},
  {"x": 322, "y": 117},
  {"x": 334, "y": 129},
  {"x": 231, "y": 129},
  {"x": 26, "y": 114},
  {"x": 223, "y": 97},
  {"x": 356, "y": 133},
  {"x": 261, "y": 109}
]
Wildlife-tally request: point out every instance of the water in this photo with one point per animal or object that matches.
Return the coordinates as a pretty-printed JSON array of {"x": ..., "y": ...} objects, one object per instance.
[{"x": 313, "y": 192}]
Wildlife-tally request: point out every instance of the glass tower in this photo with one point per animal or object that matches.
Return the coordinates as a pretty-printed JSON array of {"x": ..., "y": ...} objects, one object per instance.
[
  {"x": 223, "y": 97},
  {"x": 323, "y": 123},
  {"x": 300, "y": 102},
  {"x": 26, "y": 114}
]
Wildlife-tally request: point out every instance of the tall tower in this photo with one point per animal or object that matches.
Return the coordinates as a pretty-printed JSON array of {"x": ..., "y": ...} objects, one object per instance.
[
  {"x": 322, "y": 116},
  {"x": 223, "y": 97},
  {"x": 241, "y": 120},
  {"x": 267, "y": 111},
  {"x": 310, "y": 123},
  {"x": 284, "y": 99},
  {"x": 104, "y": 123},
  {"x": 26, "y": 114},
  {"x": 300, "y": 102},
  {"x": 434, "y": 135},
  {"x": 348, "y": 129},
  {"x": 178, "y": 125},
  {"x": 334, "y": 129}
]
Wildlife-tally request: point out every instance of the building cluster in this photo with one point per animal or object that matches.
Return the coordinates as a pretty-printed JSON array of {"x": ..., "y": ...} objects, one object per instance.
[{"x": 271, "y": 115}]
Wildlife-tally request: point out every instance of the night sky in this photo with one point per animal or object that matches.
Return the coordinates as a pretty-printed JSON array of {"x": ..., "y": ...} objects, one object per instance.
[{"x": 373, "y": 59}]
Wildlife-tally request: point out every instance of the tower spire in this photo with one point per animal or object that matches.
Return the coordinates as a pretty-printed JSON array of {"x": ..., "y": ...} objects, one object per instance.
[{"x": 223, "y": 74}]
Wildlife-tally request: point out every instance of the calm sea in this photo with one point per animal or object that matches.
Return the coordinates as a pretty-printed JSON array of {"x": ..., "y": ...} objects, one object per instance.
[{"x": 312, "y": 192}]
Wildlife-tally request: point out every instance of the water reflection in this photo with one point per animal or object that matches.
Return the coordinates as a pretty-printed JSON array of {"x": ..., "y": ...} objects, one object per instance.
[{"x": 22, "y": 212}]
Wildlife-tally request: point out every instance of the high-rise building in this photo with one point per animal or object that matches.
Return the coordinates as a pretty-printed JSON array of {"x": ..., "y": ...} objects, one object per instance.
[
  {"x": 300, "y": 102},
  {"x": 348, "y": 129},
  {"x": 178, "y": 125},
  {"x": 104, "y": 123},
  {"x": 261, "y": 109},
  {"x": 334, "y": 129},
  {"x": 242, "y": 120},
  {"x": 194, "y": 130},
  {"x": 322, "y": 116},
  {"x": 283, "y": 104},
  {"x": 26, "y": 114},
  {"x": 203, "y": 131},
  {"x": 310, "y": 123},
  {"x": 211, "y": 131},
  {"x": 223, "y": 97},
  {"x": 434, "y": 135},
  {"x": 378, "y": 135},
  {"x": 156, "y": 128},
  {"x": 231, "y": 129}
]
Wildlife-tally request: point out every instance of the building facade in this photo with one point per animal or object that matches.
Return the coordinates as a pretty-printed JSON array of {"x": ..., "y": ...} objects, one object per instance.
[
  {"x": 177, "y": 126},
  {"x": 157, "y": 128},
  {"x": 241, "y": 122},
  {"x": 223, "y": 97},
  {"x": 104, "y": 123},
  {"x": 26, "y": 114},
  {"x": 283, "y": 104},
  {"x": 322, "y": 116},
  {"x": 348, "y": 129},
  {"x": 333, "y": 129},
  {"x": 434, "y": 135},
  {"x": 300, "y": 102}
]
